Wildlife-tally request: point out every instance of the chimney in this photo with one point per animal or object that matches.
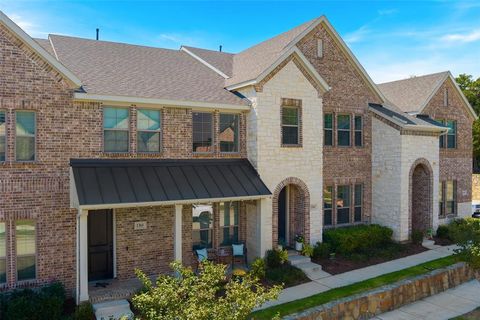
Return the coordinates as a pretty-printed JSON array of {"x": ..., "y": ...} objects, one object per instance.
[
  {"x": 98, "y": 31},
  {"x": 220, "y": 49}
]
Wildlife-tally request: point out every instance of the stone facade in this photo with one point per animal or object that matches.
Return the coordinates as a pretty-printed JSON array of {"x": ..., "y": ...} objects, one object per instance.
[
  {"x": 455, "y": 164},
  {"x": 476, "y": 187},
  {"x": 374, "y": 302}
]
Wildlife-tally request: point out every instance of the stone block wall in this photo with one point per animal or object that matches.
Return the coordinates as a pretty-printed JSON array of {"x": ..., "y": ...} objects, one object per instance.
[
  {"x": 371, "y": 303},
  {"x": 476, "y": 187}
]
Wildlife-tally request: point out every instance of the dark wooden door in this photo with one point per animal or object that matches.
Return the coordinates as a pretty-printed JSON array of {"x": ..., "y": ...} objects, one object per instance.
[
  {"x": 100, "y": 245},
  {"x": 282, "y": 217}
]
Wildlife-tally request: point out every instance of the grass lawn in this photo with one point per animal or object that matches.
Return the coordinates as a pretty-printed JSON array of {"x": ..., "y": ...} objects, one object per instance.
[
  {"x": 472, "y": 315},
  {"x": 342, "y": 292}
]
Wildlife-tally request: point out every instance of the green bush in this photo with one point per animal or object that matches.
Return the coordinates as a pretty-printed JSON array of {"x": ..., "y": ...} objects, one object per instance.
[
  {"x": 321, "y": 250},
  {"x": 39, "y": 304},
  {"x": 257, "y": 268},
  {"x": 276, "y": 258},
  {"x": 417, "y": 237},
  {"x": 466, "y": 234},
  {"x": 362, "y": 239},
  {"x": 287, "y": 275},
  {"x": 443, "y": 232},
  {"x": 307, "y": 250},
  {"x": 84, "y": 311}
]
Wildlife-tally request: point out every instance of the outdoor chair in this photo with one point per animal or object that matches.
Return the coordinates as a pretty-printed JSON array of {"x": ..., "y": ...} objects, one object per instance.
[
  {"x": 239, "y": 250},
  {"x": 203, "y": 254}
]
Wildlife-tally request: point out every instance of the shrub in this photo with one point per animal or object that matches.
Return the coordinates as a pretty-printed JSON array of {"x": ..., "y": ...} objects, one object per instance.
[
  {"x": 362, "y": 239},
  {"x": 287, "y": 275},
  {"x": 276, "y": 258},
  {"x": 207, "y": 295},
  {"x": 443, "y": 232},
  {"x": 466, "y": 234},
  {"x": 321, "y": 250},
  {"x": 257, "y": 268},
  {"x": 307, "y": 250},
  {"x": 417, "y": 237},
  {"x": 44, "y": 303},
  {"x": 84, "y": 311}
]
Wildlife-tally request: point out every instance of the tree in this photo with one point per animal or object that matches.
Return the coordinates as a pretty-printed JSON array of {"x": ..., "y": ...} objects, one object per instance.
[
  {"x": 206, "y": 296},
  {"x": 466, "y": 234},
  {"x": 471, "y": 90}
]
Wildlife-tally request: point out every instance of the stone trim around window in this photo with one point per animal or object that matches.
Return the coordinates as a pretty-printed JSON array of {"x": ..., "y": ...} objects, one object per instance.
[{"x": 292, "y": 103}]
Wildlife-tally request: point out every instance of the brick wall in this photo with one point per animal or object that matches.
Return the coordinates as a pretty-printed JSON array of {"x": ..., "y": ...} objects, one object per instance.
[
  {"x": 349, "y": 94},
  {"x": 455, "y": 164},
  {"x": 65, "y": 129}
]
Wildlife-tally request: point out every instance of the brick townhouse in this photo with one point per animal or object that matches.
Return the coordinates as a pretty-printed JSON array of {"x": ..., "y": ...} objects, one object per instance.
[{"x": 117, "y": 156}]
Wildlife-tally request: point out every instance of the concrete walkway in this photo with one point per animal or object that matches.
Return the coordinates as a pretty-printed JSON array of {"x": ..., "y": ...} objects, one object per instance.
[
  {"x": 446, "y": 305},
  {"x": 326, "y": 281}
]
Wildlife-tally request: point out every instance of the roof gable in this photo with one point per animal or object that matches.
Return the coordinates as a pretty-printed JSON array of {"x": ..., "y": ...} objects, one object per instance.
[
  {"x": 220, "y": 62},
  {"x": 73, "y": 81}
]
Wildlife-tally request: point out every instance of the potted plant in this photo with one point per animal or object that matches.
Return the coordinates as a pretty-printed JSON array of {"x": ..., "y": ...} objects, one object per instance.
[{"x": 299, "y": 240}]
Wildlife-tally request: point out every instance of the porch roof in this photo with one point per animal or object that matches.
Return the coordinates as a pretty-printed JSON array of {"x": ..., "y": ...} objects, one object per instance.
[{"x": 102, "y": 182}]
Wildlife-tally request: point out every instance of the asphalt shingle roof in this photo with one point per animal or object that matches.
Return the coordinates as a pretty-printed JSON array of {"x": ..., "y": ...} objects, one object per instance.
[
  {"x": 111, "y": 68},
  {"x": 410, "y": 95},
  {"x": 223, "y": 61}
]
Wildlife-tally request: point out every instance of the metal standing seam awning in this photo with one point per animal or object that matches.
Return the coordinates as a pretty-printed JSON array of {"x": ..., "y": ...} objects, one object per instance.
[{"x": 107, "y": 183}]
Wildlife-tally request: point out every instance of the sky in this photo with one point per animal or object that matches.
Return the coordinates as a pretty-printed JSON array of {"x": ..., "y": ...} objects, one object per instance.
[{"x": 391, "y": 39}]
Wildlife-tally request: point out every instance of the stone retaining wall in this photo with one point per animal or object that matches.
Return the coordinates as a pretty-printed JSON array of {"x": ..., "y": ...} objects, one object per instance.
[{"x": 390, "y": 297}]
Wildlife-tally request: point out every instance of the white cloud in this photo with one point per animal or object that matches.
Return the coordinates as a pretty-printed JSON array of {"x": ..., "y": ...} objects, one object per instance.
[
  {"x": 357, "y": 35},
  {"x": 463, "y": 37},
  {"x": 28, "y": 25}
]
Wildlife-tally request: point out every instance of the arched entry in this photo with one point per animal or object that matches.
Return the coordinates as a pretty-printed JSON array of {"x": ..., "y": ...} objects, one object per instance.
[
  {"x": 421, "y": 195},
  {"x": 291, "y": 216}
]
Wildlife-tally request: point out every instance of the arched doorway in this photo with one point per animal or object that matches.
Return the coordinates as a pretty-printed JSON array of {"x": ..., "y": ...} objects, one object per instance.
[
  {"x": 421, "y": 188},
  {"x": 291, "y": 216}
]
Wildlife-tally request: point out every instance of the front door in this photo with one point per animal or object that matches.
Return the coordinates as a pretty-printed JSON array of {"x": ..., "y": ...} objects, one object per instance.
[
  {"x": 100, "y": 245},
  {"x": 282, "y": 217}
]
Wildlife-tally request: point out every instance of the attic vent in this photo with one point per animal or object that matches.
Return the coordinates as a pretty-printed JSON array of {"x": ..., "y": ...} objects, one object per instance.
[
  {"x": 445, "y": 98},
  {"x": 319, "y": 48}
]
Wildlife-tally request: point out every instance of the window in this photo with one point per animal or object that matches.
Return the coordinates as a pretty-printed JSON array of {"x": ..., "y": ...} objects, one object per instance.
[
  {"x": 148, "y": 126},
  {"x": 25, "y": 136},
  {"x": 228, "y": 223},
  {"x": 442, "y": 137},
  {"x": 452, "y": 134},
  {"x": 343, "y": 204},
  {"x": 202, "y": 228},
  {"x": 3, "y": 254},
  {"x": 26, "y": 249},
  {"x": 358, "y": 131},
  {"x": 451, "y": 197},
  {"x": 358, "y": 196},
  {"x": 328, "y": 129},
  {"x": 202, "y": 132},
  {"x": 319, "y": 48},
  {"x": 343, "y": 131},
  {"x": 228, "y": 135},
  {"x": 327, "y": 206},
  {"x": 2, "y": 136},
  {"x": 115, "y": 129},
  {"x": 290, "y": 129}
]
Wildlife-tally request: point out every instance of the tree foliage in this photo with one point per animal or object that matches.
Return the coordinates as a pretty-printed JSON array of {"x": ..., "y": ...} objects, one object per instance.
[
  {"x": 206, "y": 296},
  {"x": 466, "y": 234},
  {"x": 471, "y": 89}
]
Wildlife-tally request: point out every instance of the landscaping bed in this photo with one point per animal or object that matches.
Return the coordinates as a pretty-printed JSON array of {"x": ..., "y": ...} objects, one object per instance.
[
  {"x": 341, "y": 264},
  {"x": 472, "y": 315},
  {"x": 286, "y": 275}
]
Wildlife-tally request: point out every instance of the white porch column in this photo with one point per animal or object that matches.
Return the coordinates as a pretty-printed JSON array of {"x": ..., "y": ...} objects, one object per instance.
[
  {"x": 264, "y": 226},
  {"x": 82, "y": 256},
  {"x": 177, "y": 243}
]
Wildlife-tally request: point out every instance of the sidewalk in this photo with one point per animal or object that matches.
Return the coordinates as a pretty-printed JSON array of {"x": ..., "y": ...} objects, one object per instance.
[
  {"x": 446, "y": 305},
  {"x": 326, "y": 281}
]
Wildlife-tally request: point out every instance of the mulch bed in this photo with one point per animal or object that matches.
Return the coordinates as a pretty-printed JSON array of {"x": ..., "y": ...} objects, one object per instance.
[
  {"x": 343, "y": 264},
  {"x": 442, "y": 241},
  {"x": 287, "y": 275}
]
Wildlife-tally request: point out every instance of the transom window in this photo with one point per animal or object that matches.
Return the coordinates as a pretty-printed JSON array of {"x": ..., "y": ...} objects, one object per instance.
[
  {"x": 327, "y": 206},
  {"x": 343, "y": 130},
  {"x": 149, "y": 130},
  {"x": 3, "y": 253},
  {"x": 290, "y": 125},
  {"x": 343, "y": 204},
  {"x": 202, "y": 227},
  {"x": 2, "y": 136},
  {"x": 228, "y": 223},
  {"x": 328, "y": 129},
  {"x": 358, "y": 131},
  {"x": 115, "y": 129},
  {"x": 228, "y": 135},
  {"x": 202, "y": 132},
  {"x": 25, "y": 135},
  {"x": 26, "y": 249}
]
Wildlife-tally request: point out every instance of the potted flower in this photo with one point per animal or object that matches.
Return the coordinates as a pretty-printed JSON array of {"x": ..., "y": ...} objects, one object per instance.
[{"x": 299, "y": 240}]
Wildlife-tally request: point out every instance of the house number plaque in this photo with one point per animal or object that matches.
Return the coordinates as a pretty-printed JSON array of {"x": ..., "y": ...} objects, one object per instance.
[{"x": 140, "y": 225}]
